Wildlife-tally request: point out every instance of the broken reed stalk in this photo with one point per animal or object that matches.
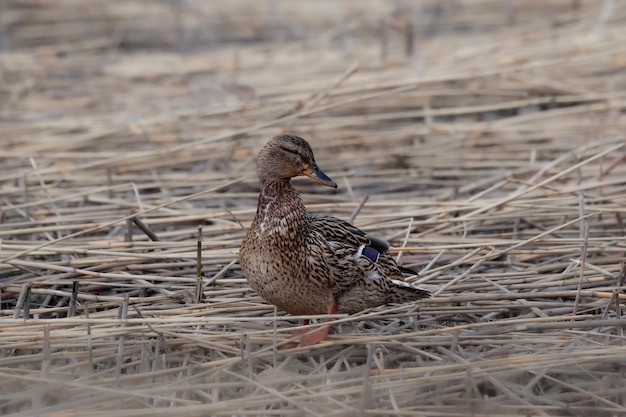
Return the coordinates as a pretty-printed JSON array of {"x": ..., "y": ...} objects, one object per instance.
[
  {"x": 199, "y": 284},
  {"x": 71, "y": 309}
]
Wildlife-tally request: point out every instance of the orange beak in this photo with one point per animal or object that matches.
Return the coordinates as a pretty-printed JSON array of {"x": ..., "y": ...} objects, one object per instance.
[{"x": 315, "y": 173}]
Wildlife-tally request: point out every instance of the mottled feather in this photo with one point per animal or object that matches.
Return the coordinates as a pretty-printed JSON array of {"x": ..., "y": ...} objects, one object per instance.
[{"x": 304, "y": 263}]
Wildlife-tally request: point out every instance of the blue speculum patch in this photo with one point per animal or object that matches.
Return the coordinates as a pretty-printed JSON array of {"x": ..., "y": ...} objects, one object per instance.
[{"x": 371, "y": 253}]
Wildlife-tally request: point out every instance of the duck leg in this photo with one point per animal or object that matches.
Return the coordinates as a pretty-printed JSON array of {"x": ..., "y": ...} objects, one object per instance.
[
  {"x": 296, "y": 334},
  {"x": 300, "y": 332},
  {"x": 313, "y": 337}
]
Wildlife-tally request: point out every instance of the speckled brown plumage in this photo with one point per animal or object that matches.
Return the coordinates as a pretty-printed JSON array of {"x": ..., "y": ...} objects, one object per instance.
[{"x": 310, "y": 264}]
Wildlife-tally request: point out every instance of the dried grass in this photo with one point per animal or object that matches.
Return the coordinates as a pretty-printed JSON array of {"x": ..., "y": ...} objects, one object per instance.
[{"x": 485, "y": 139}]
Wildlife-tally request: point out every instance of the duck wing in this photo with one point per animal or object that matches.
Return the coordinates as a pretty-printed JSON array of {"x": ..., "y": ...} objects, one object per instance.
[
  {"x": 360, "y": 264},
  {"x": 336, "y": 230}
]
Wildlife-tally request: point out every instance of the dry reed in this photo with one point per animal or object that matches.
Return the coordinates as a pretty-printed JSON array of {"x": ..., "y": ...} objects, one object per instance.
[{"x": 484, "y": 139}]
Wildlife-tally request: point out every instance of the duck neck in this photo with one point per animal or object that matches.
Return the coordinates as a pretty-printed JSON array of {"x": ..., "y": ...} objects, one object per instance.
[{"x": 280, "y": 210}]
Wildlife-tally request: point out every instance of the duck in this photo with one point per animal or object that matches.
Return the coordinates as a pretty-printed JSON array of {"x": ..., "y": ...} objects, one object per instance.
[{"x": 313, "y": 264}]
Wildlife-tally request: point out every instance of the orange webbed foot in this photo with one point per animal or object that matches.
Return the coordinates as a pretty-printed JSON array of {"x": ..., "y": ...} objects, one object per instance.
[
  {"x": 314, "y": 337},
  {"x": 307, "y": 337},
  {"x": 310, "y": 337}
]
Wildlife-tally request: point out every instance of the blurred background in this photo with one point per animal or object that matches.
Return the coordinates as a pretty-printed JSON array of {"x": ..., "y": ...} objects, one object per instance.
[{"x": 428, "y": 85}]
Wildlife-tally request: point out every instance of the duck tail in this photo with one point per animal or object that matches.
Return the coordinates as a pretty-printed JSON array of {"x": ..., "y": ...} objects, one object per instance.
[{"x": 402, "y": 292}]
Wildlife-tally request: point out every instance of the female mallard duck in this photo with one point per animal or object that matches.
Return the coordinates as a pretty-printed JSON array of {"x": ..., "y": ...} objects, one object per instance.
[{"x": 313, "y": 264}]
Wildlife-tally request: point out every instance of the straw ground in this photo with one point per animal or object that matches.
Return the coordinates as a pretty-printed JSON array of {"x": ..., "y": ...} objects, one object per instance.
[{"x": 484, "y": 139}]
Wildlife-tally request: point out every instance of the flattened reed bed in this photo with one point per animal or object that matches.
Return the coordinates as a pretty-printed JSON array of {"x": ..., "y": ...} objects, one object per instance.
[{"x": 484, "y": 139}]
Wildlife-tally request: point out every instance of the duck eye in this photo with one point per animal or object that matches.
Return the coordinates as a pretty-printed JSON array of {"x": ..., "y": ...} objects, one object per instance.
[{"x": 291, "y": 151}]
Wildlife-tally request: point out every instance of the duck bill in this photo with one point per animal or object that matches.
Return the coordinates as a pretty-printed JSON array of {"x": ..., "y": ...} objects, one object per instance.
[{"x": 315, "y": 173}]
